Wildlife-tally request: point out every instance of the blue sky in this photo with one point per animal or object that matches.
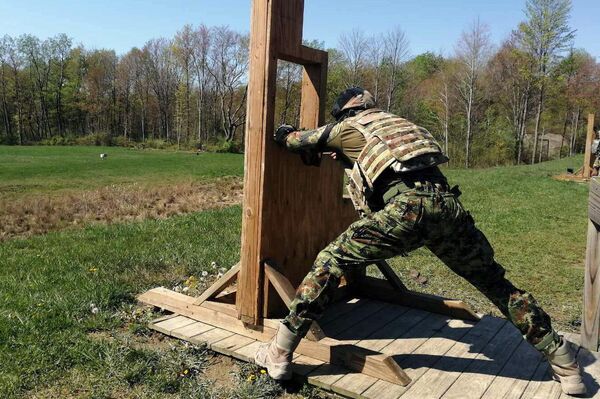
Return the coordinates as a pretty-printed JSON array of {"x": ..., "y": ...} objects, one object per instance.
[{"x": 430, "y": 25}]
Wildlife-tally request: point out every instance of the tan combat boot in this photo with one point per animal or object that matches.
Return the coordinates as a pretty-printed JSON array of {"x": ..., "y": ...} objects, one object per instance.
[
  {"x": 276, "y": 356},
  {"x": 566, "y": 370}
]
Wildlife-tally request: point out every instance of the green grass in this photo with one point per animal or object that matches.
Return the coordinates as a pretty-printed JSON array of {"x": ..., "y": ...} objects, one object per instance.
[
  {"x": 53, "y": 169},
  {"x": 49, "y": 284}
]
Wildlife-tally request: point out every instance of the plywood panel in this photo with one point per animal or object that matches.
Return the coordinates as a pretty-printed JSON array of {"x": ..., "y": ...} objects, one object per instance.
[{"x": 290, "y": 211}]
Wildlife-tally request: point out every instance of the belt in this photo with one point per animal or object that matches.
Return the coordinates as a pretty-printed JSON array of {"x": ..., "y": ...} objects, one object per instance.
[{"x": 420, "y": 187}]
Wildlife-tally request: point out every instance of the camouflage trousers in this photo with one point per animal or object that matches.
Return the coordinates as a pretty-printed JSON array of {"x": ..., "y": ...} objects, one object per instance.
[{"x": 411, "y": 220}]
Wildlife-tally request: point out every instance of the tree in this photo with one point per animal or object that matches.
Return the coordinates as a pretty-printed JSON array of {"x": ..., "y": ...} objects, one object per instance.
[
  {"x": 353, "y": 46},
  {"x": 473, "y": 52},
  {"x": 545, "y": 36},
  {"x": 228, "y": 66},
  {"x": 395, "y": 53}
]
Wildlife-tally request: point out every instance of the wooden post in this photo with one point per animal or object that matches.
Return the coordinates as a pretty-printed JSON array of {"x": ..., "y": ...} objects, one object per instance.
[
  {"x": 290, "y": 211},
  {"x": 588, "y": 158},
  {"x": 591, "y": 295}
]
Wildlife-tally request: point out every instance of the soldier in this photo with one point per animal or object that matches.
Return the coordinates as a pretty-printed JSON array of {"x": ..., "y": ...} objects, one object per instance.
[{"x": 405, "y": 203}]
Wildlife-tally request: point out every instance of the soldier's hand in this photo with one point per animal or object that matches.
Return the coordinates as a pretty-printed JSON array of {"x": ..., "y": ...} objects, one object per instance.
[{"x": 282, "y": 132}]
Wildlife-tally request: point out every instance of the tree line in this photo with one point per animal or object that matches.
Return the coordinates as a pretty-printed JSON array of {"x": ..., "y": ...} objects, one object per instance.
[{"x": 487, "y": 103}]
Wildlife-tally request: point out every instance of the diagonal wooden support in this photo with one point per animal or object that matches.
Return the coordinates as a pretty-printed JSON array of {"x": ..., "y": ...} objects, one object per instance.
[
  {"x": 376, "y": 288},
  {"x": 219, "y": 285},
  {"x": 327, "y": 350},
  {"x": 287, "y": 293},
  {"x": 390, "y": 275}
]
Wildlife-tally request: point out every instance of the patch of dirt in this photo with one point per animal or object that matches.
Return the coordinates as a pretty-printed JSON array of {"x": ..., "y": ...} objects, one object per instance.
[
  {"x": 113, "y": 204},
  {"x": 221, "y": 371}
]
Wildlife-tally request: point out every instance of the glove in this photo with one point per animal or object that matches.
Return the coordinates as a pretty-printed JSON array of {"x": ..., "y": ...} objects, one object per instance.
[
  {"x": 311, "y": 158},
  {"x": 282, "y": 132}
]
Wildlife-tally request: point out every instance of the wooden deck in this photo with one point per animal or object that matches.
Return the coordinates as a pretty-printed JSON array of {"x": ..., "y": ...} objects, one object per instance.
[{"x": 446, "y": 358}]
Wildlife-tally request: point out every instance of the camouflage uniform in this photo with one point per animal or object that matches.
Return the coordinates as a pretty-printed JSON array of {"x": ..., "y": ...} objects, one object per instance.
[{"x": 409, "y": 210}]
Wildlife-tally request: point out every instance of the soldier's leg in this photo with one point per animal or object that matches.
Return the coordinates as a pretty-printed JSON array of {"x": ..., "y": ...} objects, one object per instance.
[
  {"x": 466, "y": 250},
  {"x": 379, "y": 236}
]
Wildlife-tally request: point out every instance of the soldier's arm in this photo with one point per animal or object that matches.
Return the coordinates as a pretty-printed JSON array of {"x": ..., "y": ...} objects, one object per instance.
[{"x": 311, "y": 140}]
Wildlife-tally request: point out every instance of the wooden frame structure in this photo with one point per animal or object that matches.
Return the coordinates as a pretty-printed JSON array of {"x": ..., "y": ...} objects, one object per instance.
[
  {"x": 290, "y": 212},
  {"x": 590, "y": 325}
]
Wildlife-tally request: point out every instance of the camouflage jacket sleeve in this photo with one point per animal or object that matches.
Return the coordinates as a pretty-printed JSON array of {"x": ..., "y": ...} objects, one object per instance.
[{"x": 315, "y": 140}]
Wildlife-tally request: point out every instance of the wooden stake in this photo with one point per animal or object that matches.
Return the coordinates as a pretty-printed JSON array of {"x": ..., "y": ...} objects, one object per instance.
[{"x": 588, "y": 159}]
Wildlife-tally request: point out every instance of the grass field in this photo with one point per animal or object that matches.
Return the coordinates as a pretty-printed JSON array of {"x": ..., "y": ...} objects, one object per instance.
[
  {"x": 69, "y": 326},
  {"x": 53, "y": 170}
]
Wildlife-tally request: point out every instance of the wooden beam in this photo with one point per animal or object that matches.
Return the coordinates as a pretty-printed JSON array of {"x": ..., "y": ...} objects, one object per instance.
[
  {"x": 259, "y": 129},
  {"x": 328, "y": 350},
  {"x": 379, "y": 289},
  {"x": 590, "y": 325},
  {"x": 287, "y": 293},
  {"x": 588, "y": 159},
  {"x": 391, "y": 276},
  {"x": 219, "y": 285}
]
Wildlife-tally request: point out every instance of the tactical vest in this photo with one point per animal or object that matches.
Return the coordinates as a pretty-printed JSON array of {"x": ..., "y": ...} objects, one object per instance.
[{"x": 391, "y": 142}]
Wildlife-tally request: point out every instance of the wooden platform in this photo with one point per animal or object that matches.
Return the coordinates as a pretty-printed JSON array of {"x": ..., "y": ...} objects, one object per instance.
[{"x": 446, "y": 358}]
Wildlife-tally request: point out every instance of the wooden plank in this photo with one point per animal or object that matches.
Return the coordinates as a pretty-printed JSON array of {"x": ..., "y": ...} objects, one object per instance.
[
  {"x": 515, "y": 375},
  {"x": 419, "y": 361},
  {"x": 412, "y": 319},
  {"x": 383, "y": 390},
  {"x": 435, "y": 381},
  {"x": 542, "y": 386},
  {"x": 372, "y": 324},
  {"x": 303, "y": 365},
  {"x": 353, "y": 385},
  {"x": 379, "y": 289},
  {"x": 348, "y": 321},
  {"x": 210, "y": 337},
  {"x": 591, "y": 294},
  {"x": 587, "y": 158},
  {"x": 191, "y": 330},
  {"x": 167, "y": 326},
  {"x": 594, "y": 200},
  {"x": 229, "y": 345},
  {"x": 246, "y": 353},
  {"x": 327, "y": 350},
  {"x": 219, "y": 285},
  {"x": 326, "y": 375},
  {"x": 479, "y": 375}
]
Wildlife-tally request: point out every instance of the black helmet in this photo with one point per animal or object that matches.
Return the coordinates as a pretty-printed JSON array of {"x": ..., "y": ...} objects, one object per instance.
[{"x": 352, "y": 99}]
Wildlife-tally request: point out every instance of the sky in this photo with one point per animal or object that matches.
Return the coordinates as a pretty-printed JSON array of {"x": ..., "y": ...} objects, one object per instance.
[{"x": 430, "y": 25}]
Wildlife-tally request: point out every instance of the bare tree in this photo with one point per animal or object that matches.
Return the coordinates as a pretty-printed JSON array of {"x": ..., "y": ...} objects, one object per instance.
[
  {"x": 60, "y": 48},
  {"x": 200, "y": 49},
  {"x": 545, "y": 35},
  {"x": 228, "y": 66},
  {"x": 472, "y": 50},
  {"x": 353, "y": 46},
  {"x": 396, "y": 49},
  {"x": 163, "y": 78}
]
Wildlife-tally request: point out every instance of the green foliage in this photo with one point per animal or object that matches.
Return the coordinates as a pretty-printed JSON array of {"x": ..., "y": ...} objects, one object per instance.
[{"x": 223, "y": 146}]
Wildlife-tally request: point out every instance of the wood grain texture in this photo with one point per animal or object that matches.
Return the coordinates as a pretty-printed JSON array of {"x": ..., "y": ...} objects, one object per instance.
[
  {"x": 479, "y": 375},
  {"x": 327, "y": 350},
  {"x": 380, "y": 289},
  {"x": 588, "y": 157},
  {"x": 591, "y": 294},
  {"x": 290, "y": 211}
]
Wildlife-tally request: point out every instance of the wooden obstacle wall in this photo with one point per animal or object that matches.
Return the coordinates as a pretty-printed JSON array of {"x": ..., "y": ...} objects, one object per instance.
[{"x": 290, "y": 211}]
